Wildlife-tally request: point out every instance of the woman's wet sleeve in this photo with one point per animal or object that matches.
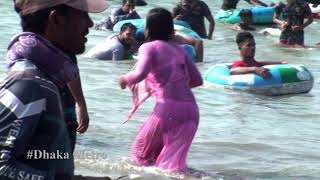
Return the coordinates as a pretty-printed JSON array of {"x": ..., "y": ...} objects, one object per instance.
[{"x": 142, "y": 66}]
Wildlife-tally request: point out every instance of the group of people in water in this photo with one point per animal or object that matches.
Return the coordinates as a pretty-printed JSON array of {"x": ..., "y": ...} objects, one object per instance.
[
  {"x": 39, "y": 95},
  {"x": 290, "y": 18}
]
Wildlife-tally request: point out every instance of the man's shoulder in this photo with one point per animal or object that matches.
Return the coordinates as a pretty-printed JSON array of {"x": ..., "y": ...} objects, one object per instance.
[
  {"x": 114, "y": 41},
  {"x": 26, "y": 73}
]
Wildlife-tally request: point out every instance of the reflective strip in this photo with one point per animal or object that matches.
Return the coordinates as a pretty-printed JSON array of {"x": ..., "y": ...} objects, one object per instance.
[
  {"x": 8, "y": 99},
  {"x": 23, "y": 65}
]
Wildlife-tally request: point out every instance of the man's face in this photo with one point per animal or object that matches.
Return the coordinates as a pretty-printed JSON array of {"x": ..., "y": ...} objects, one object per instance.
[
  {"x": 128, "y": 6},
  {"x": 76, "y": 27},
  {"x": 247, "y": 49},
  {"x": 127, "y": 36}
]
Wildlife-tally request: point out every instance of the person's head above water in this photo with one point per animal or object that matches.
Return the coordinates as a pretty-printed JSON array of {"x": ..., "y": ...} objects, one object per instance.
[
  {"x": 246, "y": 45},
  {"x": 159, "y": 24},
  {"x": 246, "y": 16},
  {"x": 127, "y": 33},
  {"x": 128, "y": 5},
  {"x": 65, "y": 23}
]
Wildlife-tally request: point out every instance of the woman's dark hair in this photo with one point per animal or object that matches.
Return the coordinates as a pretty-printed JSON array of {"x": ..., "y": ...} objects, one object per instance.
[
  {"x": 159, "y": 24},
  {"x": 243, "y": 36},
  {"x": 37, "y": 22},
  {"x": 126, "y": 26}
]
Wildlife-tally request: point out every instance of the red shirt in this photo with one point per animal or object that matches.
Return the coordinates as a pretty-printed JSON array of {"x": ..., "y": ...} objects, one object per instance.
[{"x": 240, "y": 63}]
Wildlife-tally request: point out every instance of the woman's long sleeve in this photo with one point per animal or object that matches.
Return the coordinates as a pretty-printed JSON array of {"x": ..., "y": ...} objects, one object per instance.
[{"x": 142, "y": 67}]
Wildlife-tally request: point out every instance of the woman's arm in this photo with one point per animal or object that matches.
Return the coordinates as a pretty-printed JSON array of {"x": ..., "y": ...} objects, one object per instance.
[{"x": 142, "y": 67}]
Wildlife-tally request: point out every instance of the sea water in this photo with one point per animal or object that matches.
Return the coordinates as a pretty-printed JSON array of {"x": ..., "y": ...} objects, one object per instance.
[{"x": 241, "y": 136}]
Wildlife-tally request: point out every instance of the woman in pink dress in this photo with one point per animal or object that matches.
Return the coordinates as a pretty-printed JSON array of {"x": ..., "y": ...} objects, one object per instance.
[{"x": 165, "y": 71}]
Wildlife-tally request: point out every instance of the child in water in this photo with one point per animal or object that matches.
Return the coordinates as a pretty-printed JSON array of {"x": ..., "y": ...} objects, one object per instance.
[
  {"x": 247, "y": 63},
  {"x": 167, "y": 73},
  {"x": 246, "y": 21}
]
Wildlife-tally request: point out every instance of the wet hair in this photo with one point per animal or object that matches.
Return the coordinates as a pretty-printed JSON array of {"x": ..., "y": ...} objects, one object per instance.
[
  {"x": 280, "y": 7},
  {"x": 129, "y": 1},
  {"x": 245, "y": 13},
  {"x": 159, "y": 24},
  {"x": 38, "y": 21},
  {"x": 126, "y": 26},
  {"x": 243, "y": 36}
]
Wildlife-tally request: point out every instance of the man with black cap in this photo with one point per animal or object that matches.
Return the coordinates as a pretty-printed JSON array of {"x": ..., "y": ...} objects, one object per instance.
[{"x": 42, "y": 62}]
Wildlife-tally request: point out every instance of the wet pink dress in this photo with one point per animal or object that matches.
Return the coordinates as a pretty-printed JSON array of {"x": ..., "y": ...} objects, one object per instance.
[{"x": 168, "y": 73}]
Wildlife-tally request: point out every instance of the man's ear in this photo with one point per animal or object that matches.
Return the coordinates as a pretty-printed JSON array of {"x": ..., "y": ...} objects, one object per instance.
[
  {"x": 55, "y": 19},
  {"x": 55, "y": 26}
]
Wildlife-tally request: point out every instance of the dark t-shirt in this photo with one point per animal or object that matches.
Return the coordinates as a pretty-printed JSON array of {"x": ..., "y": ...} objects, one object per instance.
[
  {"x": 229, "y": 4},
  {"x": 294, "y": 13},
  {"x": 194, "y": 15}
]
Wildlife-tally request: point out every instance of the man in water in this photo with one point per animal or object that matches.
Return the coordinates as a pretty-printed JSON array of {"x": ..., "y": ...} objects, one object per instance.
[
  {"x": 127, "y": 11},
  {"x": 41, "y": 62},
  {"x": 246, "y": 21},
  {"x": 247, "y": 63},
  {"x": 118, "y": 46},
  {"x": 193, "y": 12}
]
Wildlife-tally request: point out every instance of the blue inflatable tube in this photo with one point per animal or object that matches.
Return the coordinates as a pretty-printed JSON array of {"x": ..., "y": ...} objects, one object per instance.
[
  {"x": 139, "y": 23},
  {"x": 286, "y": 79},
  {"x": 181, "y": 23},
  {"x": 260, "y": 15},
  {"x": 190, "y": 51}
]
